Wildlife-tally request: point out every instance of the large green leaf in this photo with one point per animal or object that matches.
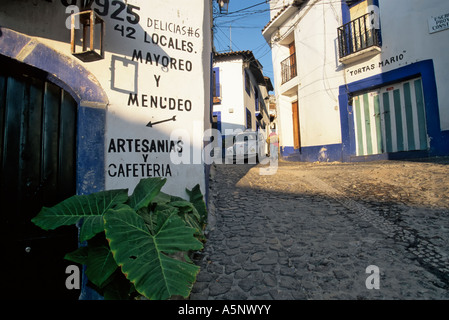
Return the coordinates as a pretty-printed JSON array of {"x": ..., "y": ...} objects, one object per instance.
[
  {"x": 118, "y": 288},
  {"x": 90, "y": 208},
  {"x": 155, "y": 219},
  {"x": 161, "y": 198},
  {"x": 100, "y": 262},
  {"x": 145, "y": 191},
  {"x": 188, "y": 213},
  {"x": 143, "y": 255},
  {"x": 197, "y": 199},
  {"x": 97, "y": 257},
  {"x": 78, "y": 256}
]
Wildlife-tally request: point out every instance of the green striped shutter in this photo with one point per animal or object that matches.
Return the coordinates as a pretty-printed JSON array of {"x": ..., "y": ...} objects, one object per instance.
[{"x": 390, "y": 119}]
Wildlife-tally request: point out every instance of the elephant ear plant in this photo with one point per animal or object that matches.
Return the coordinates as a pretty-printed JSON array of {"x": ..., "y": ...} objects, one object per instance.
[{"x": 134, "y": 245}]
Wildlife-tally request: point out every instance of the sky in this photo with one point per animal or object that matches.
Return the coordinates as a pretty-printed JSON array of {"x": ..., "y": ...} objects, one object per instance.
[{"x": 241, "y": 29}]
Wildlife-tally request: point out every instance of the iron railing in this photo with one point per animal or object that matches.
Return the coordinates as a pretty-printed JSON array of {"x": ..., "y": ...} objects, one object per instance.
[
  {"x": 288, "y": 68},
  {"x": 357, "y": 35}
]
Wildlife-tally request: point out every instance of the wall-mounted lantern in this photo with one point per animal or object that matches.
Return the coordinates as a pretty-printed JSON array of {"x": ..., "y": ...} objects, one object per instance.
[
  {"x": 224, "y": 5},
  {"x": 91, "y": 39}
]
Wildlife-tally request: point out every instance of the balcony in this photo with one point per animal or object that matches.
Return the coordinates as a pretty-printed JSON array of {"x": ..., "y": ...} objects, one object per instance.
[
  {"x": 358, "y": 38},
  {"x": 288, "y": 68}
]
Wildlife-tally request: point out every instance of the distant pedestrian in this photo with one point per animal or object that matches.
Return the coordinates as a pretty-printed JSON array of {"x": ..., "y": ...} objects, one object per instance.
[{"x": 274, "y": 144}]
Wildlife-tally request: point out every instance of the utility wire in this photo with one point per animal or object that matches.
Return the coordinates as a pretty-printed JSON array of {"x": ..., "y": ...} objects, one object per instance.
[{"x": 255, "y": 5}]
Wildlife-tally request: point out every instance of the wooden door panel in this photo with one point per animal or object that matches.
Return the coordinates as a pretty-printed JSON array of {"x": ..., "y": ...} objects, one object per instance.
[
  {"x": 37, "y": 163},
  {"x": 295, "y": 118}
]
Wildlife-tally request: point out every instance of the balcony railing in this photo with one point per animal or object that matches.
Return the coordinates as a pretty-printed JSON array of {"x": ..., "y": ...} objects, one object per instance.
[
  {"x": 288, "y": 68},
  {"x": 357, "y": 35}
]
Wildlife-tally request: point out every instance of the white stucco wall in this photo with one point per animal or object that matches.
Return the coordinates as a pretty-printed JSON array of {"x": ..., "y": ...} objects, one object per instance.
[
  {"x": 232, "y": 91},
  {"x": 284, "y": 114},
  {"x": 278, "y": 5},
  {"x": 188, "y": 89},
  {"x": 176, "y": 35},
  {"x": 234, "y": 98},
  {"x": 319, "y": 75}
]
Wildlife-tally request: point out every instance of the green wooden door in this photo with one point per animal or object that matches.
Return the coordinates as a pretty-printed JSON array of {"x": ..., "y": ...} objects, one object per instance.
[
  {"x": 37, "y": 163},
  {"x": 391, "y": 119}
]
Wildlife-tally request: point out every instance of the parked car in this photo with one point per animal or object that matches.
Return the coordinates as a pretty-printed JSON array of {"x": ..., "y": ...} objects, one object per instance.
[{"x": 248, "y": 145}]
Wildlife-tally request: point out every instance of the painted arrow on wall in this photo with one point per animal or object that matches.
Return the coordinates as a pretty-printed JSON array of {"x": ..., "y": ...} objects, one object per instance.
[{"x": 151, "y": 124}]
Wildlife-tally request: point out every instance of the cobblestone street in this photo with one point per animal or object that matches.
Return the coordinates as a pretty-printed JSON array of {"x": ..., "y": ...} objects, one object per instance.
[{"x": 311, "y": 230}]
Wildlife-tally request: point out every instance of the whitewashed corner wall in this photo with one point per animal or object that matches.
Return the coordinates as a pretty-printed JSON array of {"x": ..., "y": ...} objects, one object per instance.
[
  {"x": 156, "y": 69},
  {"x": 164, "y": 78}
]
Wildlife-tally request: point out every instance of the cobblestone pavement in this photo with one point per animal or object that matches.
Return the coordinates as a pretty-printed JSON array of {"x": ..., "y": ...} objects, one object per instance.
[{"x": 311, "y": 230}]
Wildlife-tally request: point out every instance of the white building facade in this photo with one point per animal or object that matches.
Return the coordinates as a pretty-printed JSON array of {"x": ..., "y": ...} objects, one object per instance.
[
  {"x": 240, "y": 95},
  {"x": 360, "y": 80}
]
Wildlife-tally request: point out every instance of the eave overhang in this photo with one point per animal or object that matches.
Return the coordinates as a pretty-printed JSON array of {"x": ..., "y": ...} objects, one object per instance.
[{"x": 280, "y": 18}]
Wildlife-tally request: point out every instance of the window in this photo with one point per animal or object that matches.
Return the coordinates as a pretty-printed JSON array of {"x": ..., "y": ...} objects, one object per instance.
[
  {"x": 248, "y": 119},
  {"x": 247, "y": 83},
  {"x": 216, "y": 85},
  {"x": 256, "y": 98},
  {"x": 216, "y": 120},
  {"x": 362, "y": 33},
  {"x": 288, "y": 65}
]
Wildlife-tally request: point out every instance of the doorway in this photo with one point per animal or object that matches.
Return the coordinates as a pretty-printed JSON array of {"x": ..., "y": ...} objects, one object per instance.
[
  {"x": 391, "y": 119},
  {"x": 38, "y": 122},
  {"x": 296, "y": 129}
]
